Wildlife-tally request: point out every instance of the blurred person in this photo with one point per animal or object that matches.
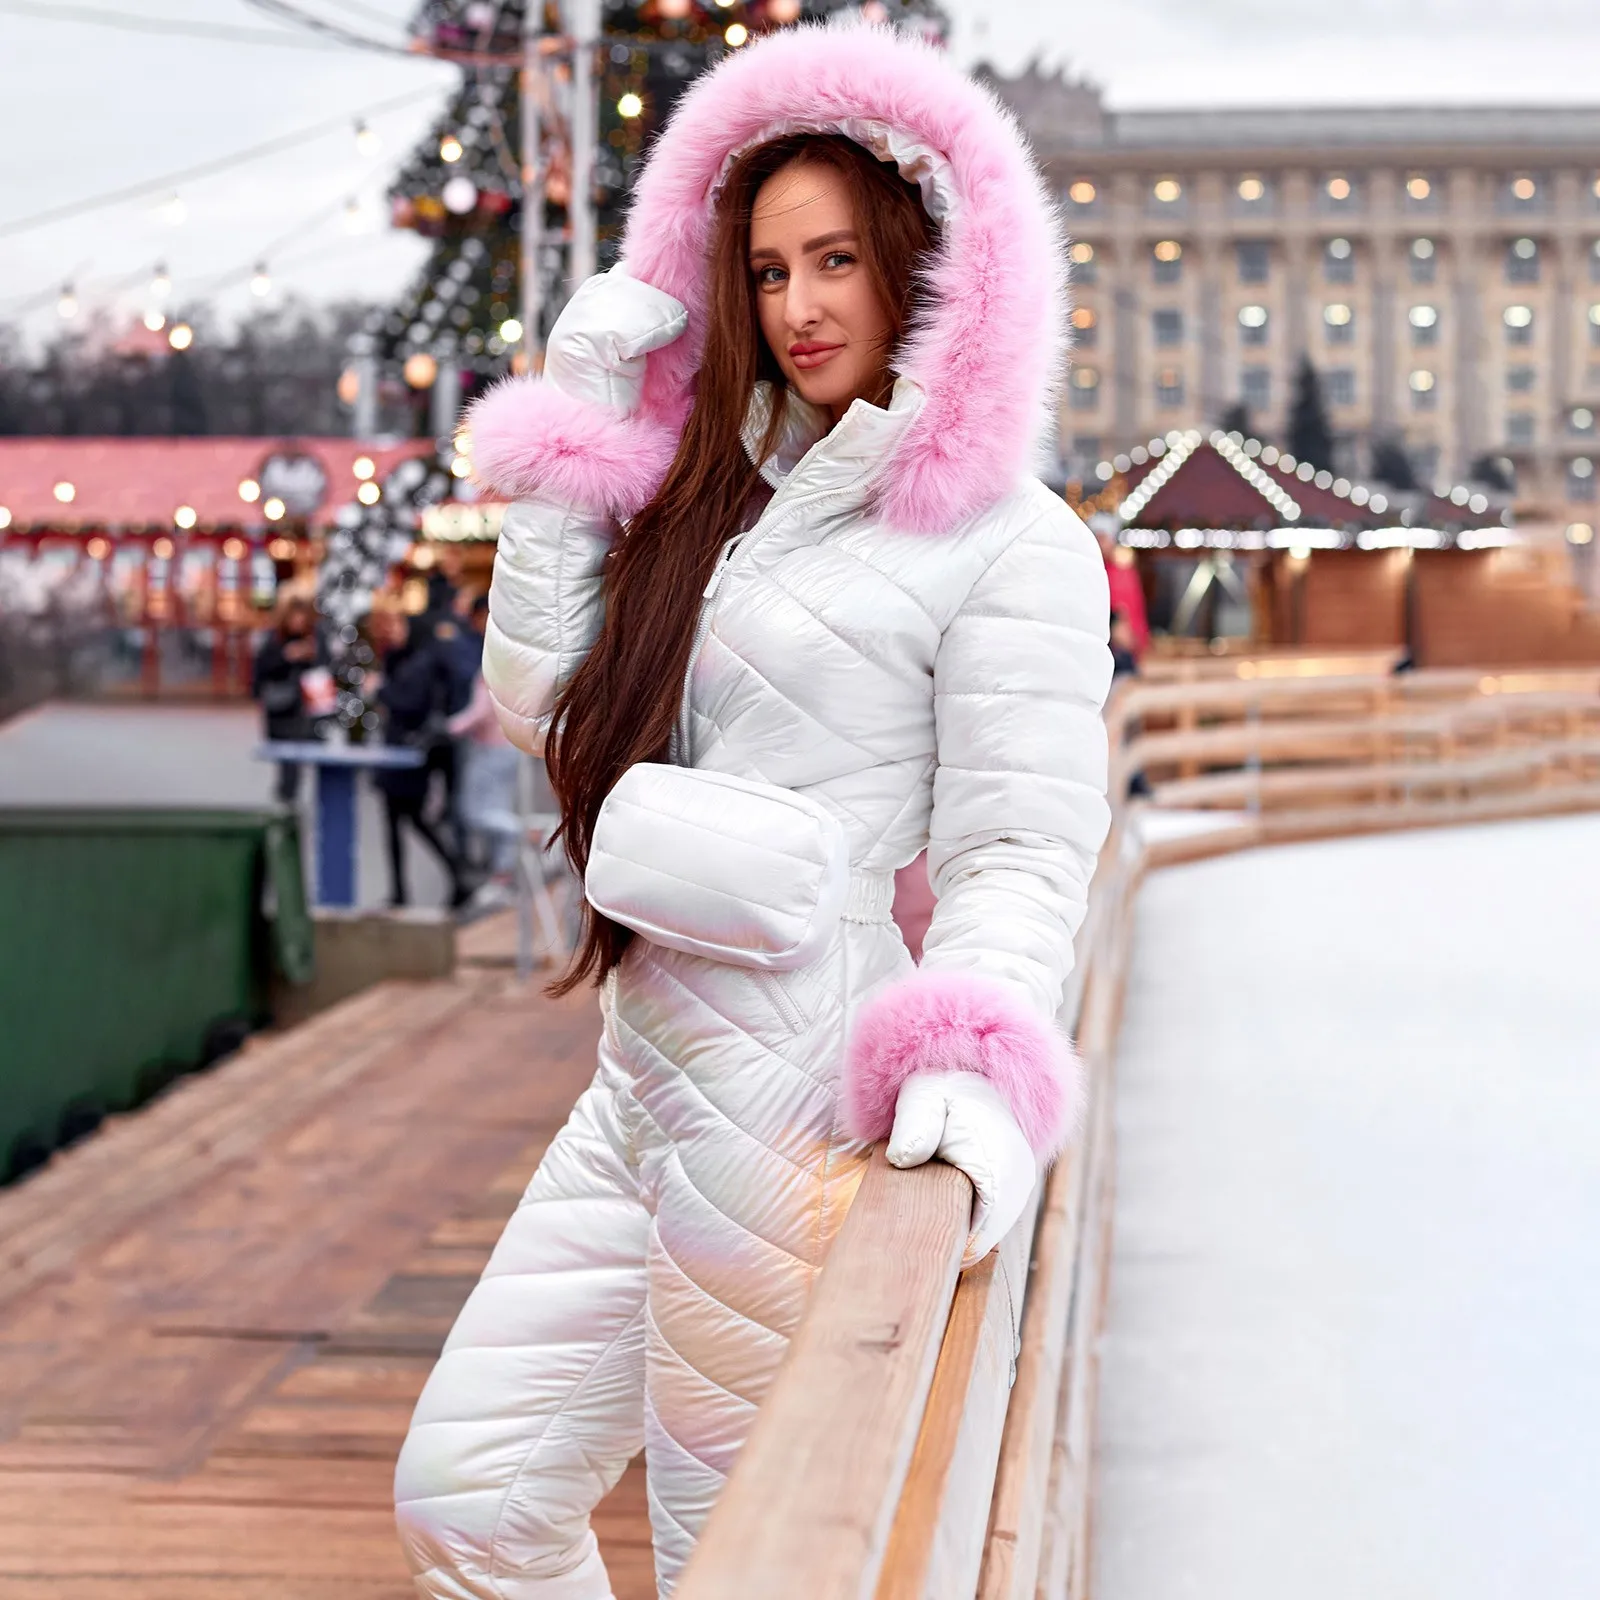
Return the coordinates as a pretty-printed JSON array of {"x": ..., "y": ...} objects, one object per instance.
[
  {"x": 489, "y": 763},
  {"x": 292, "y": 649},
  {"x": 1127, "y": 592},
  {"x": 1124, "y": 647},
  {"x": 777, "y": 587},
  {"x": 414, "y": 690}
]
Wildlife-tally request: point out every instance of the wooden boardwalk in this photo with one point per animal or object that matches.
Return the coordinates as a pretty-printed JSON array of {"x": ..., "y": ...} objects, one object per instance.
[{"x": 216, "y": 1314}]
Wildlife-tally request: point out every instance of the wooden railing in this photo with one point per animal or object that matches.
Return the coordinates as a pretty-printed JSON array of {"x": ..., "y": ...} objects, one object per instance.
[{"x": 930, "y": 1434}]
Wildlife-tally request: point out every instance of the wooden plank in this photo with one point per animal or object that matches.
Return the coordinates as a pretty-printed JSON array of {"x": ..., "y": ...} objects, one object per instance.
[{"x": 832, "y": 1444}]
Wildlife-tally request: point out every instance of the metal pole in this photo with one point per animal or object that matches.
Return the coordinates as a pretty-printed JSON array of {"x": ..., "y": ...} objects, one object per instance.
[
  {"x": 584, "y": 27},
  {"x": 532, "y": 87}
]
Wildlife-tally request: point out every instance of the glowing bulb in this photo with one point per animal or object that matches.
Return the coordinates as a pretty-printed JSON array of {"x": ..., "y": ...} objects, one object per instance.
[
  {"x": 65, "y": 492},
  {"x": 369, "y": 493},
  {"x": 1338, "y": 188},
  {"x": 511, "y": 330},
  {"x": 1524, "y": 188},
  {"x": 162, "y": 549},
  {"x": 154, "y": 321},
  {"x": 249, "y": 491},
  {"x": 367, "y": 142},
  {"x": 274, "y": 509},
  {"x": 364, "y": 467},
  {"x": 1251, "y": 188},
  {"x": 181, "y": 336},
  {"x": 1082, "y": 253},
  {"x": 184, "y": 517},
  {"x": 5, "y": 516},
  {"x": 1082, "y": 193},
  {"x": 420, "y": 370},
  {"x": 161, "y": 284},
  {"x": 450, "y": 148},
  {"x": 260, "y": 282},
  {"x": 97, "y": 548},
  {"x": 67, "y": 305},
  {"x": 461, "y": 467},
  {"x": 234, "y": 549},
  {"x": 736, "y": 33},
  {"x": 1168, "y": 250},
  {"x": 629, "y": 106},
  {"x": 1167, "y": 190},
  {"x": 1418, "y": 188}
]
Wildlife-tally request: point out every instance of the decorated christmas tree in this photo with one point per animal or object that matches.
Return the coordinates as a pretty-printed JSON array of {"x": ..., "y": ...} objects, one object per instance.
[{"x": 462, "y": 187}]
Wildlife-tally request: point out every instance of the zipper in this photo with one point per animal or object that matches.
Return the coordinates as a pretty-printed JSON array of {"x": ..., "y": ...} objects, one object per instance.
[
  {"x": 741, "y": 544},
  {"x": 782, "y": 1001}
]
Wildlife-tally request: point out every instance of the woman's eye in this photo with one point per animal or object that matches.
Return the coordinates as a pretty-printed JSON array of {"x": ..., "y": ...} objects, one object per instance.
[
  {"x": 766, "y": 277},
  {"x": 838, "y": 258}
]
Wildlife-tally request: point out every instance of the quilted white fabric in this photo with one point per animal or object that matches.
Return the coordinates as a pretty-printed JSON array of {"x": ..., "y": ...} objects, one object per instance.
[{"x": 923, "y": 690}]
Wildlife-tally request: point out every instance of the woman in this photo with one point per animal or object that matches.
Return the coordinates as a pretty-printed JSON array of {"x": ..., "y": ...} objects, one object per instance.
[
  {"x": 277, "y": 675},
  {"x": 415, "y": 687},
  {"x": 781, "y": 585}
]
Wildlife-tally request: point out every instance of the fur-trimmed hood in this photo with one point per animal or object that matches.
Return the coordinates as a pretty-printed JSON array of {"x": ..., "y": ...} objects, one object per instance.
[{"x": 987, "y": 351}]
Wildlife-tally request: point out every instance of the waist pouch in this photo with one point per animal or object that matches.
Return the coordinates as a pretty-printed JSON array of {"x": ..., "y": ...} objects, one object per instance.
[{"x": 729, "y": 868}]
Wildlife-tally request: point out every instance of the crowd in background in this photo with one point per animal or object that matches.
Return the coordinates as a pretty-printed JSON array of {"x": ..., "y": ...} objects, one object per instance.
[{"x": 426, "y": 687}]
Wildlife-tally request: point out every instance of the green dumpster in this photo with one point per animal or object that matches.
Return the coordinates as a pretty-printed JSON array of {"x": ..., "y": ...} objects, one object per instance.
[{"x": 134, "y": 945}]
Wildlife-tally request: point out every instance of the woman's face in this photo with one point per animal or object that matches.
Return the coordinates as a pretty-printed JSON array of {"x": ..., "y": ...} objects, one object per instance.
[{"x": 820, "y": 312}]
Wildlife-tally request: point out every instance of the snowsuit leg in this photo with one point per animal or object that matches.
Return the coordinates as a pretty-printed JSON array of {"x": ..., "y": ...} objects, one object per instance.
[{"x": 536, "y": 1404}]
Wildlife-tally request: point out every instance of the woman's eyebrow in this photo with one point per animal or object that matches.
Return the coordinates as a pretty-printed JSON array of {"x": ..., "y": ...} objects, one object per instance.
[{"x": 821, "y": 242}]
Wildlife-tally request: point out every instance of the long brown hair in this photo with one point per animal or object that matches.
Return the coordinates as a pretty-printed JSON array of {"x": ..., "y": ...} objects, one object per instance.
[{"x": 622, "y": 703}]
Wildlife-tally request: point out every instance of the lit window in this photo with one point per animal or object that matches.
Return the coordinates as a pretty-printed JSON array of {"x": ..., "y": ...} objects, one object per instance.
[
  {"x": 1424, "y": 388},
  {"x": 1168, "y": 256},
  {"x": 1424, "y": 322},
  {"x": 1253, "y": 324},
  {"x": 1518, "y": 316},
  {"x": 1167, "y": 190},
  {"x": 1084, "y": 269},
  {"x": 1339, "y": 321},
  {"x": 1522, "y": 262},
  {"x": 1581, "y": 420},
  {"x": 1338, "y": 188},
  {"x": 1252, "y": 190},
  {"x": 1169, "y": 386},
  {"x": 1418, "y": 187},
  {"x": 1082, "y": 193},
  {"x": 1084, "y": 390},
  {"x": 1580, "y": 479},
  {"x": 1422, "y": 260},
  {"x": 1338, "y": 261},
  {"x": 1085, "y": 326},
  {"x": 1082, "y": 254},
  {"x": 1524, "y": 189}
]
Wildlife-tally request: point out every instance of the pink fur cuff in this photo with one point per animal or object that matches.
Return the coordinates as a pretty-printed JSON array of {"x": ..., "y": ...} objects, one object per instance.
[
  {"x": 955, "y": 1022},
  {"x": 528, "y": 438}
]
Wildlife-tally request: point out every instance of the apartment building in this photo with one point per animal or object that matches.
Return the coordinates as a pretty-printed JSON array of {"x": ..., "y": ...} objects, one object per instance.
[{"x": 1440, "y": 266}]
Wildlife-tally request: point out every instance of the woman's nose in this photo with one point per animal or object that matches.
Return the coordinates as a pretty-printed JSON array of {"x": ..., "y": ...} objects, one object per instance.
[{"x": 801, "y": 309}]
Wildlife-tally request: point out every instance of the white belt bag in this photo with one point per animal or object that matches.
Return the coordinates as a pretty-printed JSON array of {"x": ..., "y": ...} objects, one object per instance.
[{"x": 717, "y": 866}]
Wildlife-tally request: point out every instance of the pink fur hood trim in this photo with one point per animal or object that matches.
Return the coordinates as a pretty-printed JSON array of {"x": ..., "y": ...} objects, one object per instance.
[{"x": 958, "y": 1022}]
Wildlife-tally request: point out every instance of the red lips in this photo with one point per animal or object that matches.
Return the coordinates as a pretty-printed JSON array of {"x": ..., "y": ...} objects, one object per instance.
[{"x": 812, "y": 355}]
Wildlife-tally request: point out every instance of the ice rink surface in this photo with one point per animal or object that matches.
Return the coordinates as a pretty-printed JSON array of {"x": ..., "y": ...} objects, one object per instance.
[{"x": 1353, "y": 1345}]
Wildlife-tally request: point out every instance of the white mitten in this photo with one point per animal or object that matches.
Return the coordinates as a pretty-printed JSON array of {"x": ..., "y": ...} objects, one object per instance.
[
  {"x": 597, "y": 347},
  {"x": 960, "y": 1117}
]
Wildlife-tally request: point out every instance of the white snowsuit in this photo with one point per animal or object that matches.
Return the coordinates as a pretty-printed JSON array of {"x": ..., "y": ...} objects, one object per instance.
[{"x": 906, "y": 650}]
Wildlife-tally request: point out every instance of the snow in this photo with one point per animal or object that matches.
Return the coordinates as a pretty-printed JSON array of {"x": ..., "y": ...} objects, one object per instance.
[{"x": 1353, "y": 1342}]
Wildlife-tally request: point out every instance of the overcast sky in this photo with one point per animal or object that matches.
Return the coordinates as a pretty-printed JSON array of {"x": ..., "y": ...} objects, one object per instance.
[{"x": 86, "y": 108}]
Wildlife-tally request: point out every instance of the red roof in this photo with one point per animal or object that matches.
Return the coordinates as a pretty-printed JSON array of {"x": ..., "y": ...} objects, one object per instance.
[
  {"x": 1212, "y": 487},
  {"x": 141, "y": 483}
]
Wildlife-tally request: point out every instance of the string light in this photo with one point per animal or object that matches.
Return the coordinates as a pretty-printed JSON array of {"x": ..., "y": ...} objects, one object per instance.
[
  {"x": 67, "y": 305},
  {"x": 162, "y": 549},
  {"x": 367, "y": 142},
  {"x": 161, "y": 284},
  {"x": 369, "y": 493},
  {"x": 260, "y": 282},
  {"x": 249, "y": 491},
  {"x": 461, "y": 467},
  {"x": 184, "y": 517},
  {"x": 181, "y": 336},
  {"x": 65, "y": 492},
  {"x": 97, "y": 549},
  {"x": 629, "y": 106},
  {"x": 736, "y": 34},
  {"x": 234, "y": 549},
  {"x": 154, "y": 321},
  {"x": 511, "y": 330},
  {"x": 450, "y": 148},
  {"x": 5, "y": 516},
  {"x": 364, "y": 467},
  {"x": 274, "y": 509}
]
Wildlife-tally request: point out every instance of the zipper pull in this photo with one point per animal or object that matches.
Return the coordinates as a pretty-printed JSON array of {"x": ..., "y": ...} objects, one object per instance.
[{"x": 717, "y": 571}]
